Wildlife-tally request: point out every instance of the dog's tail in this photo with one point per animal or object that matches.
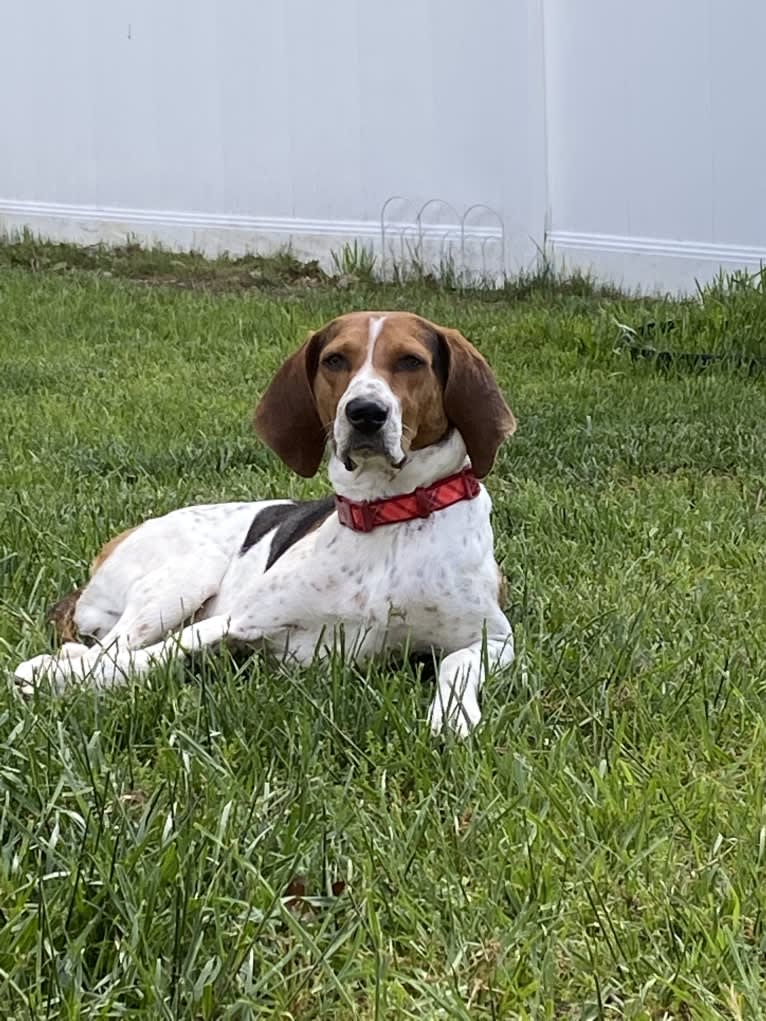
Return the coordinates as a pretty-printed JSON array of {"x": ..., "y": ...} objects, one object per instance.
[{"x": 61, "y": 617}]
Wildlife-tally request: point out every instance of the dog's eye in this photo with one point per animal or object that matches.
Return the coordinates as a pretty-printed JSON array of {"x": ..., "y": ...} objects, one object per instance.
[
  {"x": 408, "y": 363},
  {"x": 335, "y": 362}
]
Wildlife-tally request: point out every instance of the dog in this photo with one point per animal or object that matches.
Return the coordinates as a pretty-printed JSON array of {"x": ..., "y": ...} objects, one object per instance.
[{"x": 400, "y": 557}]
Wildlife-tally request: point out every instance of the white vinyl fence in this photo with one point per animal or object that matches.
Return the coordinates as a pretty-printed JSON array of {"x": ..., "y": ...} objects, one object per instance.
[{"x": 617, "y": 135}]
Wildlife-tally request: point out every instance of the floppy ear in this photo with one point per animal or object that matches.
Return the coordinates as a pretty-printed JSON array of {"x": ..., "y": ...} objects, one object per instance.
[
  {"x": 473, "y": 402},
  {"x": 286, "y": 418}
]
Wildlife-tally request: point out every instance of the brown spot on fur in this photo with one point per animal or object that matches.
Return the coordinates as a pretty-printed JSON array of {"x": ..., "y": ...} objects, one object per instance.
[
  {"x": 61, "y": 617},
  {"x": 109, "y": 548}
]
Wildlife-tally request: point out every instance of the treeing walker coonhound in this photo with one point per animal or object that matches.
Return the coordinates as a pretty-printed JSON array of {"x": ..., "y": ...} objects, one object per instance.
[{"x": 401, "y": 556}]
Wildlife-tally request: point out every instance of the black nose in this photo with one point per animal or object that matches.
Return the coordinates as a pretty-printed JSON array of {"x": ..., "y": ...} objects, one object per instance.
[{"x": 366, "y": 416}]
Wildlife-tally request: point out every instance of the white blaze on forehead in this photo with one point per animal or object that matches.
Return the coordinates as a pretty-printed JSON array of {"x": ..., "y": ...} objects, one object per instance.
[
  {"x": 366, "y": 381},
  {"x": 376, "y": 325}
]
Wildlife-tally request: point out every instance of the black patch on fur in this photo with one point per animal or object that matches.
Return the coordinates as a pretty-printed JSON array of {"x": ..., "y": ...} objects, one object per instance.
[
  {"x": 302, "y": 518},
  {"x": 291, "y": 520},
  {"x": 264, "y": 522}
]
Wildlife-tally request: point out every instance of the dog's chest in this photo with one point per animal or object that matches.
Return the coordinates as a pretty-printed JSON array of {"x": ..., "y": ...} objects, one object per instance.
[{"x": 426, "y": 582}]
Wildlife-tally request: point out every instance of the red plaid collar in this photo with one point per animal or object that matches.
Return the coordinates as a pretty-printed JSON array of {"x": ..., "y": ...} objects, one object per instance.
[{"x": 364, "y": 515}]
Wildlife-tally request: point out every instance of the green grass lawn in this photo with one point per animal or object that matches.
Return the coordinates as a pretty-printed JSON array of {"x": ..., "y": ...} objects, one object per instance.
[{"x": 247, "y": 842}]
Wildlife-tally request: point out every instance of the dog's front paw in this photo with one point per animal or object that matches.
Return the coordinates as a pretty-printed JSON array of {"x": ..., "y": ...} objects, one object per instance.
[
  {"x": 33, "y": 672},
  {"x": 450, "y": 711},
  {"x": 73, "y": 662}
]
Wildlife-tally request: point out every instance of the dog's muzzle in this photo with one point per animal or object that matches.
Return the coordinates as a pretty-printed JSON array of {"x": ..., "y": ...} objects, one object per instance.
[
  {"x": 368, "y": 426},
  {"x": 365, "y": 434}
]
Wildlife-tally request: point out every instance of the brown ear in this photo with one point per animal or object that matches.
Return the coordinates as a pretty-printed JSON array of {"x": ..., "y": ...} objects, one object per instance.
[
  {"x": 473, "y": 402},
  {"x": 286, "y": 418}
]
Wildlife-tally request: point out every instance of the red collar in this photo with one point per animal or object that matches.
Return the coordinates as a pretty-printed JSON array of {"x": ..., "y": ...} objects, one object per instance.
[{"x": 364, "y": 515}]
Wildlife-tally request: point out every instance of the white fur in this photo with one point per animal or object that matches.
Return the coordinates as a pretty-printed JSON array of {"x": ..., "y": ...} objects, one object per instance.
[{"x": 423, "y": 584}]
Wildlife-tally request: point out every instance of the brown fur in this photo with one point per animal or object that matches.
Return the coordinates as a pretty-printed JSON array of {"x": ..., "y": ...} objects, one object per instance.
[
  {"x": 452, "y": 386},
  {"x": 474, "y": 403},
  {"x": 61, "y": 617},
  {"x": 109, "y": 548},
  {"x": 286, "y": 418}
]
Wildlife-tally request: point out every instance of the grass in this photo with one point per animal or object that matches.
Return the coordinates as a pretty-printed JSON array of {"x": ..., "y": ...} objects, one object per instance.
[{"x": 242, "y": 842}]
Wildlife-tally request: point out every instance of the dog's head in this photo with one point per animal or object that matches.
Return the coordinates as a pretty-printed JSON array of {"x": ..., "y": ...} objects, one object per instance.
[{"x": 381, "y": 385}]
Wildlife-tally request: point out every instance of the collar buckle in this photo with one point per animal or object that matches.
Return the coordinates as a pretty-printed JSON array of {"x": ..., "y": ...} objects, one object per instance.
[
  {"x": 356, "y": 516},
  {"x": 425, "y": 504}
]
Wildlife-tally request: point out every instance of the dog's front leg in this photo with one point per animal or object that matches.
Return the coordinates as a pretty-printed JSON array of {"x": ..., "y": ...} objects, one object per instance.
[
  {"x": 107, "y": 667},
  {"x": 461, "y": 675}
]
